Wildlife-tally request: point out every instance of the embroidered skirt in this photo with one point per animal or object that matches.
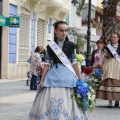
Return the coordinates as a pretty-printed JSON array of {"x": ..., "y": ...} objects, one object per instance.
[{"x": 55, "y": 103}]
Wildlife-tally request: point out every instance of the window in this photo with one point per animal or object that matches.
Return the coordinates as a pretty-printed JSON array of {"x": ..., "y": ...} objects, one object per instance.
[
  {"x": 92, "y": 14},
  {"x": 24, "y": 42},
  {"x": 33, "y": 26},
  {"x": 12, "y": 36},
  {"x": 67, "y": 19},
  {"x": 49, "y": 25},
  {"x": 92, "y": 47},
  {"x": 85, "y": 13}
]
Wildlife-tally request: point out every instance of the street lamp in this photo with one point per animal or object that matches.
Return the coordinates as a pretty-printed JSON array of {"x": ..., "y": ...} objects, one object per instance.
[
  {"x": 74, "y": 2},
  {"x": 88, "y": 35},
  {"x": 105, "y": 3}
]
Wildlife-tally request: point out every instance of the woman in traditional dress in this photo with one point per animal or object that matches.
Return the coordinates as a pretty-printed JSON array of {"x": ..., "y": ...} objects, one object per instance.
[
  {"x": 110, "y": 84},
  {"x": 53, "y": 100}
]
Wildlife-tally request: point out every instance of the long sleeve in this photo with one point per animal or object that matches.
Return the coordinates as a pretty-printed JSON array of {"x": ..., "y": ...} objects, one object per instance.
[{"x": 92, "y": 60}]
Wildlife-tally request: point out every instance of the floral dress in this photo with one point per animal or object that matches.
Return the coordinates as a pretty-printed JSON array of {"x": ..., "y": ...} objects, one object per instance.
[
  {"x": 53, "y": 101},
  {"x": 35, "y": 62}
]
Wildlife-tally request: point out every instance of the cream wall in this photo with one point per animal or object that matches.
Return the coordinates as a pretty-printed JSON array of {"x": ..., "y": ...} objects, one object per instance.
[
  {"x": 99, "y": 3},
  {"x": 55, "y": 9},
  {"x": 5, "y": 37}
]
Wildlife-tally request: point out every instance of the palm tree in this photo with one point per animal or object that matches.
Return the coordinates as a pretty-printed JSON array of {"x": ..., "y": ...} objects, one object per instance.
[
  {"x": 109, "y": 20},
  {"x": 110, "y": 24}
]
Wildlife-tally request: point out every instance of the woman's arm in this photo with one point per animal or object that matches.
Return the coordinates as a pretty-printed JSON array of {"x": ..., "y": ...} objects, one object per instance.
[
  {"x": 45, "y": 69},
  {"x": 77, "y": 70}
]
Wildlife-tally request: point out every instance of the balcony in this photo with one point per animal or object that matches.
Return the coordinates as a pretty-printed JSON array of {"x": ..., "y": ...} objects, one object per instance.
[
  {"x": 53, "y": 8},
  {"x": 83, "y": 30},
  {"x": 48, "y": 8}
]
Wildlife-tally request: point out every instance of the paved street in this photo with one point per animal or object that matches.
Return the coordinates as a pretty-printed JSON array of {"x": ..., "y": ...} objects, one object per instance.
[{"x": 16, "y": 101}]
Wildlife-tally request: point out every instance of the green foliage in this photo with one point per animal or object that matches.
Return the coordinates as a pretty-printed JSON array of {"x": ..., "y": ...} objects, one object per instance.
[
  {"x": 95, "y": 82},
  {"x": 95, "y": 25},
  {"x": 80, "y": 43}
]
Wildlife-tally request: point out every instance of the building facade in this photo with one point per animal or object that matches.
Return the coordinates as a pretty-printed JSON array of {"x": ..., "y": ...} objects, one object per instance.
[
  {"x": 36, "y": 20},
  {"x": 78, "y": 24}
]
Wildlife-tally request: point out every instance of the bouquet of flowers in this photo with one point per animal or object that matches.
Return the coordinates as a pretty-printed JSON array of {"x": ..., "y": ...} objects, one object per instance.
[
  {"x": 85, "y": 90},
  {"x": 95, "y": 78}
]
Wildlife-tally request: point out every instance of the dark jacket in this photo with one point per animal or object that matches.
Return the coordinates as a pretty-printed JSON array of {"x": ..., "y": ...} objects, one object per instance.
[{"x": 93, "y": 54}]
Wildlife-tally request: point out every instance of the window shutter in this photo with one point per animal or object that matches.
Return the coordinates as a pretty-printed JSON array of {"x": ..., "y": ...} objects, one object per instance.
[
  {"x": 24, "y": 42},
  {"x": 40, "y": 32}
]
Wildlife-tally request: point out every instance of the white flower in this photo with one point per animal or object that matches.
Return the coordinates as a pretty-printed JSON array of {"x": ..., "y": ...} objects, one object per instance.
[
  {"x": 93, "y": 97},
  {"x": 89, "y": 95},
  {"x": 78, "y": 95}
]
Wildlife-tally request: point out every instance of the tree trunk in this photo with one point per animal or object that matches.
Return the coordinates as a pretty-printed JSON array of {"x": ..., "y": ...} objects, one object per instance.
[{"x": 109, "y": 20}]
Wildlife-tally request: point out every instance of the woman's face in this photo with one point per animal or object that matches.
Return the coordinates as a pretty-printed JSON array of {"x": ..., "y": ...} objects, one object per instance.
[
  {"x": 100, "y": 46},
  {"x": 61, "y": 31},
  {"x": 114, "y": 38}
]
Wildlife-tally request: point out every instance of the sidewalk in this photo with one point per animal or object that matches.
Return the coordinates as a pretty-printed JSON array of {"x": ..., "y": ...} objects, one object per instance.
[{"x": 15, "y": 99}]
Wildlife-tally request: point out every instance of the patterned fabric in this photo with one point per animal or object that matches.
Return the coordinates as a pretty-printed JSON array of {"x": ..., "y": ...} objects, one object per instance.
[
  {"x": 40, "y": 68},
  {"x": 98, "y": 58},
  {"x": 60, "y": 43},
  {"x": 35, "y": 62},
  {"x": 55, "y": 106}
]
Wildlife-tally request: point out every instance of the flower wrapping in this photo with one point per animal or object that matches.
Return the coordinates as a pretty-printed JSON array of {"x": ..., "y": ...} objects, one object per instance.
[{"x": 82, "y": 91}]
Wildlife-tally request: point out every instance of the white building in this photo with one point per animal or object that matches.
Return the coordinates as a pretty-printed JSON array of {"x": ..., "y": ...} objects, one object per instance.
[
  {"x": 36, "y": 19},
  {"x": 79, "y": 28}
]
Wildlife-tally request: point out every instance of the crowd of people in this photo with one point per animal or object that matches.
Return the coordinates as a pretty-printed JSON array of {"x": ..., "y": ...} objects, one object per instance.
[{"x": 56, "y": 77}]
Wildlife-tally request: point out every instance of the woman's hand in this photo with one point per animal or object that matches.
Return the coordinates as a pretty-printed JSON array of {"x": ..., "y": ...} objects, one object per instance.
[{"x": 40, "y": 85}]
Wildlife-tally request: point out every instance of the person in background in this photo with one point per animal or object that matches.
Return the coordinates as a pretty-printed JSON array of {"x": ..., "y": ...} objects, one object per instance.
[
  {"x": 98, "y": 55},
  {"x": 35, "y": 62},
  {"x": 109, "y": 88},
  {"x": 79, "y": 59},
  {"x": 83, "y": 63},
  {"x": 43, "y": 54}
]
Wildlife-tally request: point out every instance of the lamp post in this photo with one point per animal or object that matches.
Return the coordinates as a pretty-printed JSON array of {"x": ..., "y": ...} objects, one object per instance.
[
  {"x": 74, "y": 2},
  {"x": 88, "y": 35},
  {"x": 105, "y": 4}
]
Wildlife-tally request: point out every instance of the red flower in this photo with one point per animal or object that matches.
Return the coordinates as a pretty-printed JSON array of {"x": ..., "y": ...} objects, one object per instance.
[{"x": 87, "y": 70}]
